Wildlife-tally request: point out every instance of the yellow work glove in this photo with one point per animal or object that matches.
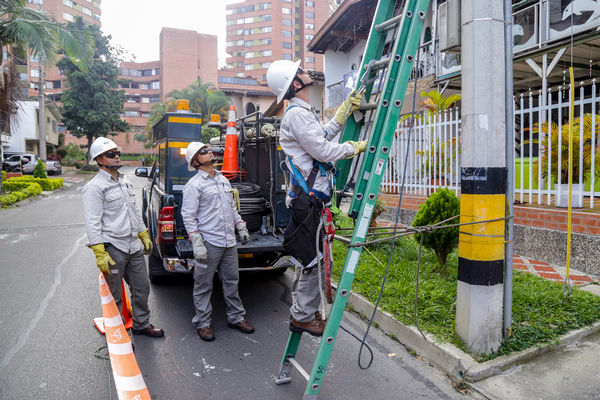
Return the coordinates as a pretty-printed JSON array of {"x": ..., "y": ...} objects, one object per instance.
[
  {"x": 145, "y": 238},
  {"x": 358, "y": 147},
  {"x": 103, "y": 259},
  {"x": 351, "y": 104}
]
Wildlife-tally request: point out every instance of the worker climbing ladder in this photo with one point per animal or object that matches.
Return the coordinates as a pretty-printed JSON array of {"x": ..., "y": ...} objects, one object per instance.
[{"x": 389, "y": 56}]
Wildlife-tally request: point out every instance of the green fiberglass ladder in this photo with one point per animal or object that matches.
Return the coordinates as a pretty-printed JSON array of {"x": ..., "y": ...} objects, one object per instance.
[{"x": 386, "y": 68}]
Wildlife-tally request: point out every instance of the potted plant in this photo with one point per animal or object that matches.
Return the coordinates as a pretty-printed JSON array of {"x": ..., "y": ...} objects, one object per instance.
[{"x": 552, "y": 132}]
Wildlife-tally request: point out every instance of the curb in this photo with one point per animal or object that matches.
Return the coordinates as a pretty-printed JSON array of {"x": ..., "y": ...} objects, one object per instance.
[{"x": 445, "y": 356}]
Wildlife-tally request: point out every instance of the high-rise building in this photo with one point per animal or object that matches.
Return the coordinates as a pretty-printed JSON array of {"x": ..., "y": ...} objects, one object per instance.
[
  {"x": 63, "y": 11},
  {"x": 259, "y": 32}
]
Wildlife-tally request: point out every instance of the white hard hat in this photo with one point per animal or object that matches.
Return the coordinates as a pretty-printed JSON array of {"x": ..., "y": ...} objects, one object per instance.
[
  {"x": 280, "y": 75},
  {"x": 190, "y": 153},
  {"x": 101, "y": 145}
]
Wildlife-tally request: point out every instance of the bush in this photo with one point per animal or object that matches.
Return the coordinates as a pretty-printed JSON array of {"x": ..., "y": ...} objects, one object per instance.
[
  {"x": 440, "y": 206},
  {"x": 46, "y": 184},
  {"x": 19, "y": 191},
  {"x": 74, "y": 152},
  {"x": 3, "y": 176},
  {"x": 40, "y": 170}
]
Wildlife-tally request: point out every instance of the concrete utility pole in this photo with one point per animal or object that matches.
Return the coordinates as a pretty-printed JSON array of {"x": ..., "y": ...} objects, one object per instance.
[
  {"x": 42, "y": 115},
  {"x": 483, "y": 176}
]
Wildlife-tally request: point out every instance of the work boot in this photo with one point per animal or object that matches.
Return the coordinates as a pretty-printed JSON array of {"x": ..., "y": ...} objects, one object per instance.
[
  {"x": 242, "y": 326},
  {"x": 206, "y": 333},
  {"x": 318, "y": 316},
  {"x": 150, "y": 331},
  {"x": 314, "y": 327}
]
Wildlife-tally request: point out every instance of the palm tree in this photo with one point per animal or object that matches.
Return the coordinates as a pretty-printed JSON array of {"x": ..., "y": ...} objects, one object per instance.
[
  {"x": 27, "y": 31},
  {"x": 204, "y": 98}
]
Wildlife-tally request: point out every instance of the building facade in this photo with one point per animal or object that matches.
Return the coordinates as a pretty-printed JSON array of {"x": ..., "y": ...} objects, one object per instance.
[{"x": 259, "y": 32}]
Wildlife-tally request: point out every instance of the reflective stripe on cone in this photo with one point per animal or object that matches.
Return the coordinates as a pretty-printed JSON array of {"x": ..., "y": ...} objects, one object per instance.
[{"x": 129, "y": 382}]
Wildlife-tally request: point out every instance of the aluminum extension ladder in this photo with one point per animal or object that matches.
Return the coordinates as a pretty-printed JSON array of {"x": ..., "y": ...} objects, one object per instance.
[{"x": 389, "y": 55}]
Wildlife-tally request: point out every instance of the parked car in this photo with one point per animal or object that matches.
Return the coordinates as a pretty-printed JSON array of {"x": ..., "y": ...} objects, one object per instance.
[{"x": 26, "y": 163}]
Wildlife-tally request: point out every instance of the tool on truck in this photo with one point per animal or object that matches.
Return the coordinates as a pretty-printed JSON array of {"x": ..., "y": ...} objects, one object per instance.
[{"x": 254, "y": 173}]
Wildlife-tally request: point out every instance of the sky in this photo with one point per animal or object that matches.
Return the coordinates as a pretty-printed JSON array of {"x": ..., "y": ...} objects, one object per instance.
[{"x": 136, "y": 24}]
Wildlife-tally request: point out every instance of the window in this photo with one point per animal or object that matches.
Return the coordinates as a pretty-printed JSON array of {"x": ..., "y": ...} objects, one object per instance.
[
  {"x": 147, "y": 72},
  {"x": 287, "y": 45},
  {"x": 129, "y": 113},
  {"x": 132, "y": 100},
  {"x": 35, "y": 1},
  {"x": 86, "y": 11},
  {"x": 156, "y": 85},
  {"x": 154, "y": 99},
  {"x": 309, "y": 36},
  {"x": 286, "y": 11},
  {"x": 54, "y": 126},
  {"x": 286, "y": 22},
  {"x": 53, "y": 84},
  {"x": 145, "y": 115},
  {"x": 144, "y": 86},
  {"x": 286, "y": 56},
  {"x": 310, "y": 60},
  {"x": 286, "y": 33},
  {"x": 34, "y": 85},
  {"x": 68, "y": 16},
  {"x": 145, "y": 99},
  {"x": 310, "y": 3},
  {"x": 309, "y": 26},
  {"x": 96, "y": 17},
  {"x": 33, "y": 58},
  {"x": 34, "y": 73},
  {"x": 310, "y": 15}
]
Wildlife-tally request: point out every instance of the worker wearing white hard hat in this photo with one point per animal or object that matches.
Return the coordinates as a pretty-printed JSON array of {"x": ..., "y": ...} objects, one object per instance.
[
  {"x": 310, "y": 153},
  {"x": 211, "y": 218},
  {"x": 117, "y": 234}
]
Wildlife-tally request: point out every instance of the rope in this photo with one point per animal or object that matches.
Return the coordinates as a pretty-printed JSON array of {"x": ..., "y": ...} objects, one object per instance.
[
  {"x": 236, "y": 198},
  {"x": 104, "y": 356},
  {"x": 320, "y": 269}
]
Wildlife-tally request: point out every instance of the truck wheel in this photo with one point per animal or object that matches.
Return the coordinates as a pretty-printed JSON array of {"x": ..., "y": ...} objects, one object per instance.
[{"x": 156, "y": 272}]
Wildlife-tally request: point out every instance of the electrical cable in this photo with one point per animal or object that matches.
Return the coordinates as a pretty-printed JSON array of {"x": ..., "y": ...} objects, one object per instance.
[
  {"x": 104, "y": 356},
  {"x": 385, "y": 275}
]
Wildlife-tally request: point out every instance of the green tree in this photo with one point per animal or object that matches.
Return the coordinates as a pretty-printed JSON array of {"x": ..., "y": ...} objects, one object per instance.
[
  {"x": 204, "y": 98},
  {"x": 27, "y": 31},
  {"x": 40, "y": 170},
  {"x": 440, "y": 206},
  {"x": 92, "y": 103}
]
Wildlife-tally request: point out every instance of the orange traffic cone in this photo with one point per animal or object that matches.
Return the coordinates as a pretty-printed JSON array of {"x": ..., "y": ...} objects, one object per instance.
[
  {"x": 230, "y": 156},
  {"x": 126, "y": 312}
]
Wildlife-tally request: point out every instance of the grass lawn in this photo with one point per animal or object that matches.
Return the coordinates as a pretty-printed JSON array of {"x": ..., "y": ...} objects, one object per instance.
[{"x": 540, "y": 311}]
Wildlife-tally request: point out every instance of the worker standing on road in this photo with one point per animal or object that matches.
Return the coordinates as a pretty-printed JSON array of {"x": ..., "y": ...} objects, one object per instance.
[
  {"x": 210, "y": 218},
  {"x": 115, "y": 228},
  {"x": 310, "y": 152}
]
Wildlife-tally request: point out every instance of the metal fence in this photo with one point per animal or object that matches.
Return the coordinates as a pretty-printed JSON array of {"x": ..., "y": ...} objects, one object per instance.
[{"x": 540, "y": 145}]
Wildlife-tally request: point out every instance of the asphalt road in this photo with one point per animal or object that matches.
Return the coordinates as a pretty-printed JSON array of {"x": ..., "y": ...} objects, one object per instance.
[{"x": 49, "y": 294}]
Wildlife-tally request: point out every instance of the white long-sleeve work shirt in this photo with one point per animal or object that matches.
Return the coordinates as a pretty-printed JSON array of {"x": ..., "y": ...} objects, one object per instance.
[
  {"x": 303, "y": 139},
  {"x": 208, "y": 207},
  {"x": 111, "y": 215}
]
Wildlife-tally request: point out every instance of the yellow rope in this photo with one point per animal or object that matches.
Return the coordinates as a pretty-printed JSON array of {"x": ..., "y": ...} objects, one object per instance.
[{"x": 236, "y": 198}]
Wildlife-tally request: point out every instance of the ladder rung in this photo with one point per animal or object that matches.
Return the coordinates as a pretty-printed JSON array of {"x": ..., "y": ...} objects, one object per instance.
[
  {"x": 389, "y": 24},
  {"x": 380, "y": 64},
  {"x": 299, "y": 368},
  {"x": 368, "y": 106}
]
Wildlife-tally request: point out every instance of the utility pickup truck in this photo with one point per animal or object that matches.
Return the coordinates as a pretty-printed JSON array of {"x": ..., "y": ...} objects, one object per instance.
[
  {"x": 264, "y": 211},
  {"x": 26, "y": 163}
]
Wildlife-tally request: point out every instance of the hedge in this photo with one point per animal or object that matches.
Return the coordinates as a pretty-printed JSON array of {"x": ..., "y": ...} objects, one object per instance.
[
  {"x": 22, "y": 190},
  {"x": 47, "y": 184}
]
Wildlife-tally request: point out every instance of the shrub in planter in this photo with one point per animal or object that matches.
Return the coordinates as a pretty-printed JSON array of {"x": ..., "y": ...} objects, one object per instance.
[
  {"x": 45, "y": 183},
  {"x": 40, "y": 170},
  {"x": 22, "y": 191},
  {"x": 441, "y": 205}
]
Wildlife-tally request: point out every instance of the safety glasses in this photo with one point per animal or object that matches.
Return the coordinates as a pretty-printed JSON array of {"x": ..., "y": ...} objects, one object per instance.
[
  {"x": 203, "y": 151},
  {"x": 112, "y": 154}
]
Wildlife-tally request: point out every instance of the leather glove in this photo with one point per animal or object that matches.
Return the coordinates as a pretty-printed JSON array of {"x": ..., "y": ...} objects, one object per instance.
[
  {"x": 145, "y": 238},
  {"x": 103, "y": 259},
  {"x": 351, "y": 104},
  {"x": 200, "y": 253},
  {"x": 243, "y": 232},
  {"x": 358, "y": 147}
]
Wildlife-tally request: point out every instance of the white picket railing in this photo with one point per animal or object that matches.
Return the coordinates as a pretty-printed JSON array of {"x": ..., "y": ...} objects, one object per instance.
[{"x": 434, "y": 151}]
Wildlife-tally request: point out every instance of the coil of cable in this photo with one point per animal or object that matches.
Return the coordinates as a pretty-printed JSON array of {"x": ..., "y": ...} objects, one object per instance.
[{"x": 252, "y": 205}]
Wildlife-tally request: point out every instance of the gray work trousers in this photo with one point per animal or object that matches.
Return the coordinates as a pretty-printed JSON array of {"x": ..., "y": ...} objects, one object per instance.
[
  {"x": 224, "y": 260},
  {"x": 306, "y": 296},
  {"x": 132, "y": 268}
]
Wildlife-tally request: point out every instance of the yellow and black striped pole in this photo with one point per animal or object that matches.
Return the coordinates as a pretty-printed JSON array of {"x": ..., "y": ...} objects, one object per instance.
[{"x": 483, "y": 178}]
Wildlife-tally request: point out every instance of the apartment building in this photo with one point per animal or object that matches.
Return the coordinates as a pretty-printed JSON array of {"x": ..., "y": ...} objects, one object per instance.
[
  {"x": 63, "y": 11},
  {"x": 259, "y": 32}
]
